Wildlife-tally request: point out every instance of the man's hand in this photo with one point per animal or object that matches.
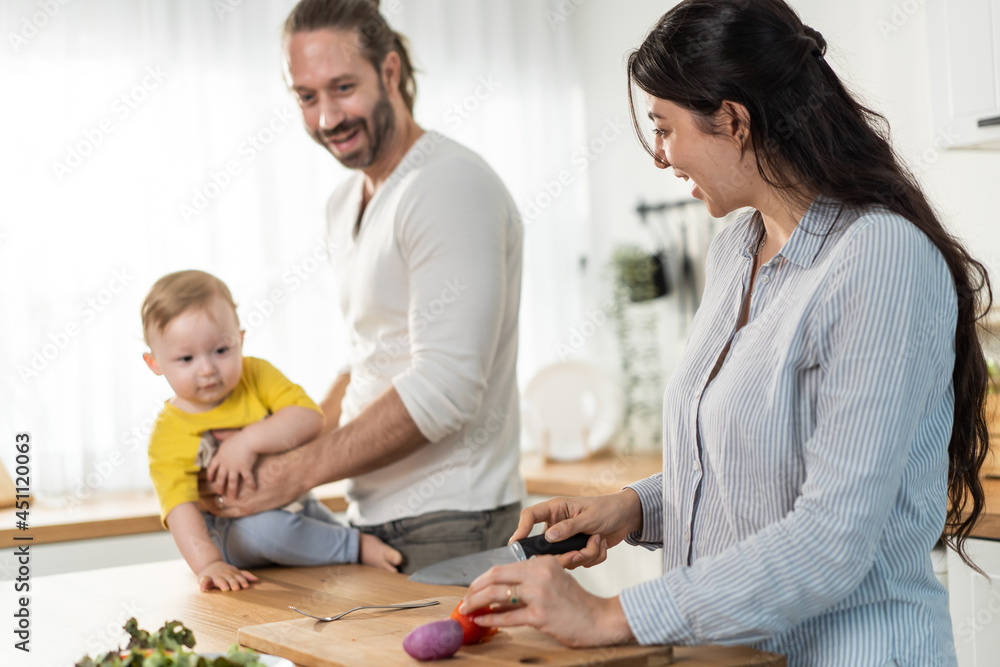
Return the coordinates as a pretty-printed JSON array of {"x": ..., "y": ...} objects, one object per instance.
[
  {"x": 382, "y": 434},
  {"x": 234, "y": 461},
  {"x": 278, "y": 483}
]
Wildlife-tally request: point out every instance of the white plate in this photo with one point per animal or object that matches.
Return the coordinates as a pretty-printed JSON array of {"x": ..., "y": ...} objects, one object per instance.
[
  {"x": 571, "y": 409},
  {"x": 269, "y": 660}
]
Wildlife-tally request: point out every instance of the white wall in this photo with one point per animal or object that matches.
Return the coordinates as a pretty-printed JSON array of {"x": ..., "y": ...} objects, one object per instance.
[
  {"x": 884, "y": 54},
  {"x": 602, "y": 33},
  {"x": 887, "y": 67}
]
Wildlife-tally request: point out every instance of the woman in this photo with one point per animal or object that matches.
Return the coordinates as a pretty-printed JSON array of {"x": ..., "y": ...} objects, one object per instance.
[{"x": 829, "y": 403}]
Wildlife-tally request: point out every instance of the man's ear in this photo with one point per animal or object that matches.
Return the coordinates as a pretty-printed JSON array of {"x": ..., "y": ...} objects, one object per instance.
[
  {"x": 391, "y": 71},
  {"x": 242, "y": 333},
  {"x": 734, "y": 121},
  {"x": 151, "y": 362}
]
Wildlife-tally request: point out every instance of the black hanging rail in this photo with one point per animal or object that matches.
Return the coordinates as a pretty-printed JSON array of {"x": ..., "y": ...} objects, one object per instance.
[
  {"x": 644, "y": 209},
  {"x": 688, "y": 291}
]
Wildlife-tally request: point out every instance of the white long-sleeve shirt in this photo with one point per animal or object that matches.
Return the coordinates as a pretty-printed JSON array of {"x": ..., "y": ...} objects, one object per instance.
[{"x": 430, "y": 289}]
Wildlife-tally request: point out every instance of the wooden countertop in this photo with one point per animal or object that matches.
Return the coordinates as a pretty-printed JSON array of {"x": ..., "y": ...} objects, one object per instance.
[
  {"x": 110, "y": 515},
  {"x": 133, "y": 513},
  {"x": 606, "y": 473},
  {"x": 988, "y": 526},
  {"x": 73, "y": 614},
  {"x": 115, "y": 514},
  {"x": 611, "y": 471}
]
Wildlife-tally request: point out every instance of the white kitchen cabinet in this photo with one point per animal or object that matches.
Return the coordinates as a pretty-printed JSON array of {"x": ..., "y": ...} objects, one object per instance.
[
  {"x": 975, "y": 604},
  {"x": 964, "y": 41}
]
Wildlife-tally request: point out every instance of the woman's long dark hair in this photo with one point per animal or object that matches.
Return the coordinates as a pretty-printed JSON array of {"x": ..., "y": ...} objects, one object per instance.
[{"x": 810, "y": 136}]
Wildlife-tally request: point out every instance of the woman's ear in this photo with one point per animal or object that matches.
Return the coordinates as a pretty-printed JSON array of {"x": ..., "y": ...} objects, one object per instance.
[{"x": 735, "y": 121}]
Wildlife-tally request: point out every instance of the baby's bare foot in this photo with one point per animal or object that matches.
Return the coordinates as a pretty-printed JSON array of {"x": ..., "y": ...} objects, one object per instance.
[{"x": 376, "y": 553}]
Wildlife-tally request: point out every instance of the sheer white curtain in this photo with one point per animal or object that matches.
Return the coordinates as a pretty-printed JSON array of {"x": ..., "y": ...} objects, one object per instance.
[
  {"x": 500, "y": 77},
  {"x": 143, "y": 137}
]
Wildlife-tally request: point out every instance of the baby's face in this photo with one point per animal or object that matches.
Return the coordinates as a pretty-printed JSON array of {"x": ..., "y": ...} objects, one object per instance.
[{"x": 200, "y": 352}]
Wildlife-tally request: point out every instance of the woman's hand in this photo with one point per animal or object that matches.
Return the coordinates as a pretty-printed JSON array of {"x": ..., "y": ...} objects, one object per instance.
[
  {"x": 608, "y": 519},
  {"x": 548, "y": 599}
]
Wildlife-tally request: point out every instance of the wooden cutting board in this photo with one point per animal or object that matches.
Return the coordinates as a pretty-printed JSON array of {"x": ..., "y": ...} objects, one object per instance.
[{"x": 375, "y": 637}]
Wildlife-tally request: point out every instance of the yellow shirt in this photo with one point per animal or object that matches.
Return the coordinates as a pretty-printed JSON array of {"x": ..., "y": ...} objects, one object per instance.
[{"x": 173, "y": 445}]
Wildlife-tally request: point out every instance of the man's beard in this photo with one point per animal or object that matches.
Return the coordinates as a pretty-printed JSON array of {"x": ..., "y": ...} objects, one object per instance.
[{"x": 383, "y": 125}]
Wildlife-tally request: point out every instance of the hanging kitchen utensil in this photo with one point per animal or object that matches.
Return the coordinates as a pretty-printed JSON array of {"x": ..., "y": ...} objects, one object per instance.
[{"x": 687, "y": 269}]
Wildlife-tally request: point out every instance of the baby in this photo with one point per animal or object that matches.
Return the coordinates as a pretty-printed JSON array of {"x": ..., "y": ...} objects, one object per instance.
[{"x": 189, "y": 322}]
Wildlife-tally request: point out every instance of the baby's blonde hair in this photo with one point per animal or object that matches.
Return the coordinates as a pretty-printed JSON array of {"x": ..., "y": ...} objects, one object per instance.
[{"x": 178, "y": 292}]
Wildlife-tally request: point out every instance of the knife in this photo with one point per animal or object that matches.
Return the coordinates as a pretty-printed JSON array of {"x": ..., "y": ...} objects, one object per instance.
[{"x": 460, "y": 571}]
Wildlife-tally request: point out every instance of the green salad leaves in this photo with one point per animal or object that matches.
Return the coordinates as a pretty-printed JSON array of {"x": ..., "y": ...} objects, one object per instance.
[{"x": 165, "y": 648}]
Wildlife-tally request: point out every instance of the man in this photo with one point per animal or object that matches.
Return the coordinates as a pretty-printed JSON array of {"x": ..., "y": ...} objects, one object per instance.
[{"x": 426, "y": 243}]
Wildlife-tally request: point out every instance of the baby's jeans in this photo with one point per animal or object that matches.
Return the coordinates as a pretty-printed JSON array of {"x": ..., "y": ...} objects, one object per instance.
[{"x": 311, "y": 536}]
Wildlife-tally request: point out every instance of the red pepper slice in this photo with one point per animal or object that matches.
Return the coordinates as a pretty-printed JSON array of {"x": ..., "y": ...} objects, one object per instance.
[{"x": 472, "y": 633}]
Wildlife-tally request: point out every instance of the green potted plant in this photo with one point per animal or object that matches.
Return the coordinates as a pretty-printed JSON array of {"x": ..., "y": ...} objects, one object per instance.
[
  {"x": 639, "y": 279},
  {"x": 640, "y": 274}
]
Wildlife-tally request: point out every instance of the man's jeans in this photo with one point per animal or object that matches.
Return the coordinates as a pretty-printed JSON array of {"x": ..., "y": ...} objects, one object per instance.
[{"x": 431, "y": 538}]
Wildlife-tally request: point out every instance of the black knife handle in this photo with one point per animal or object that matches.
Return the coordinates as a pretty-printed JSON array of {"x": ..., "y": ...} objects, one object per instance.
[{"x": 538, "y": 545}]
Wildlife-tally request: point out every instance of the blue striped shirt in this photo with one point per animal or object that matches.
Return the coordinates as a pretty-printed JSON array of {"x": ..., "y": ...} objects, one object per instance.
[{"x": 804, "y": 487}]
